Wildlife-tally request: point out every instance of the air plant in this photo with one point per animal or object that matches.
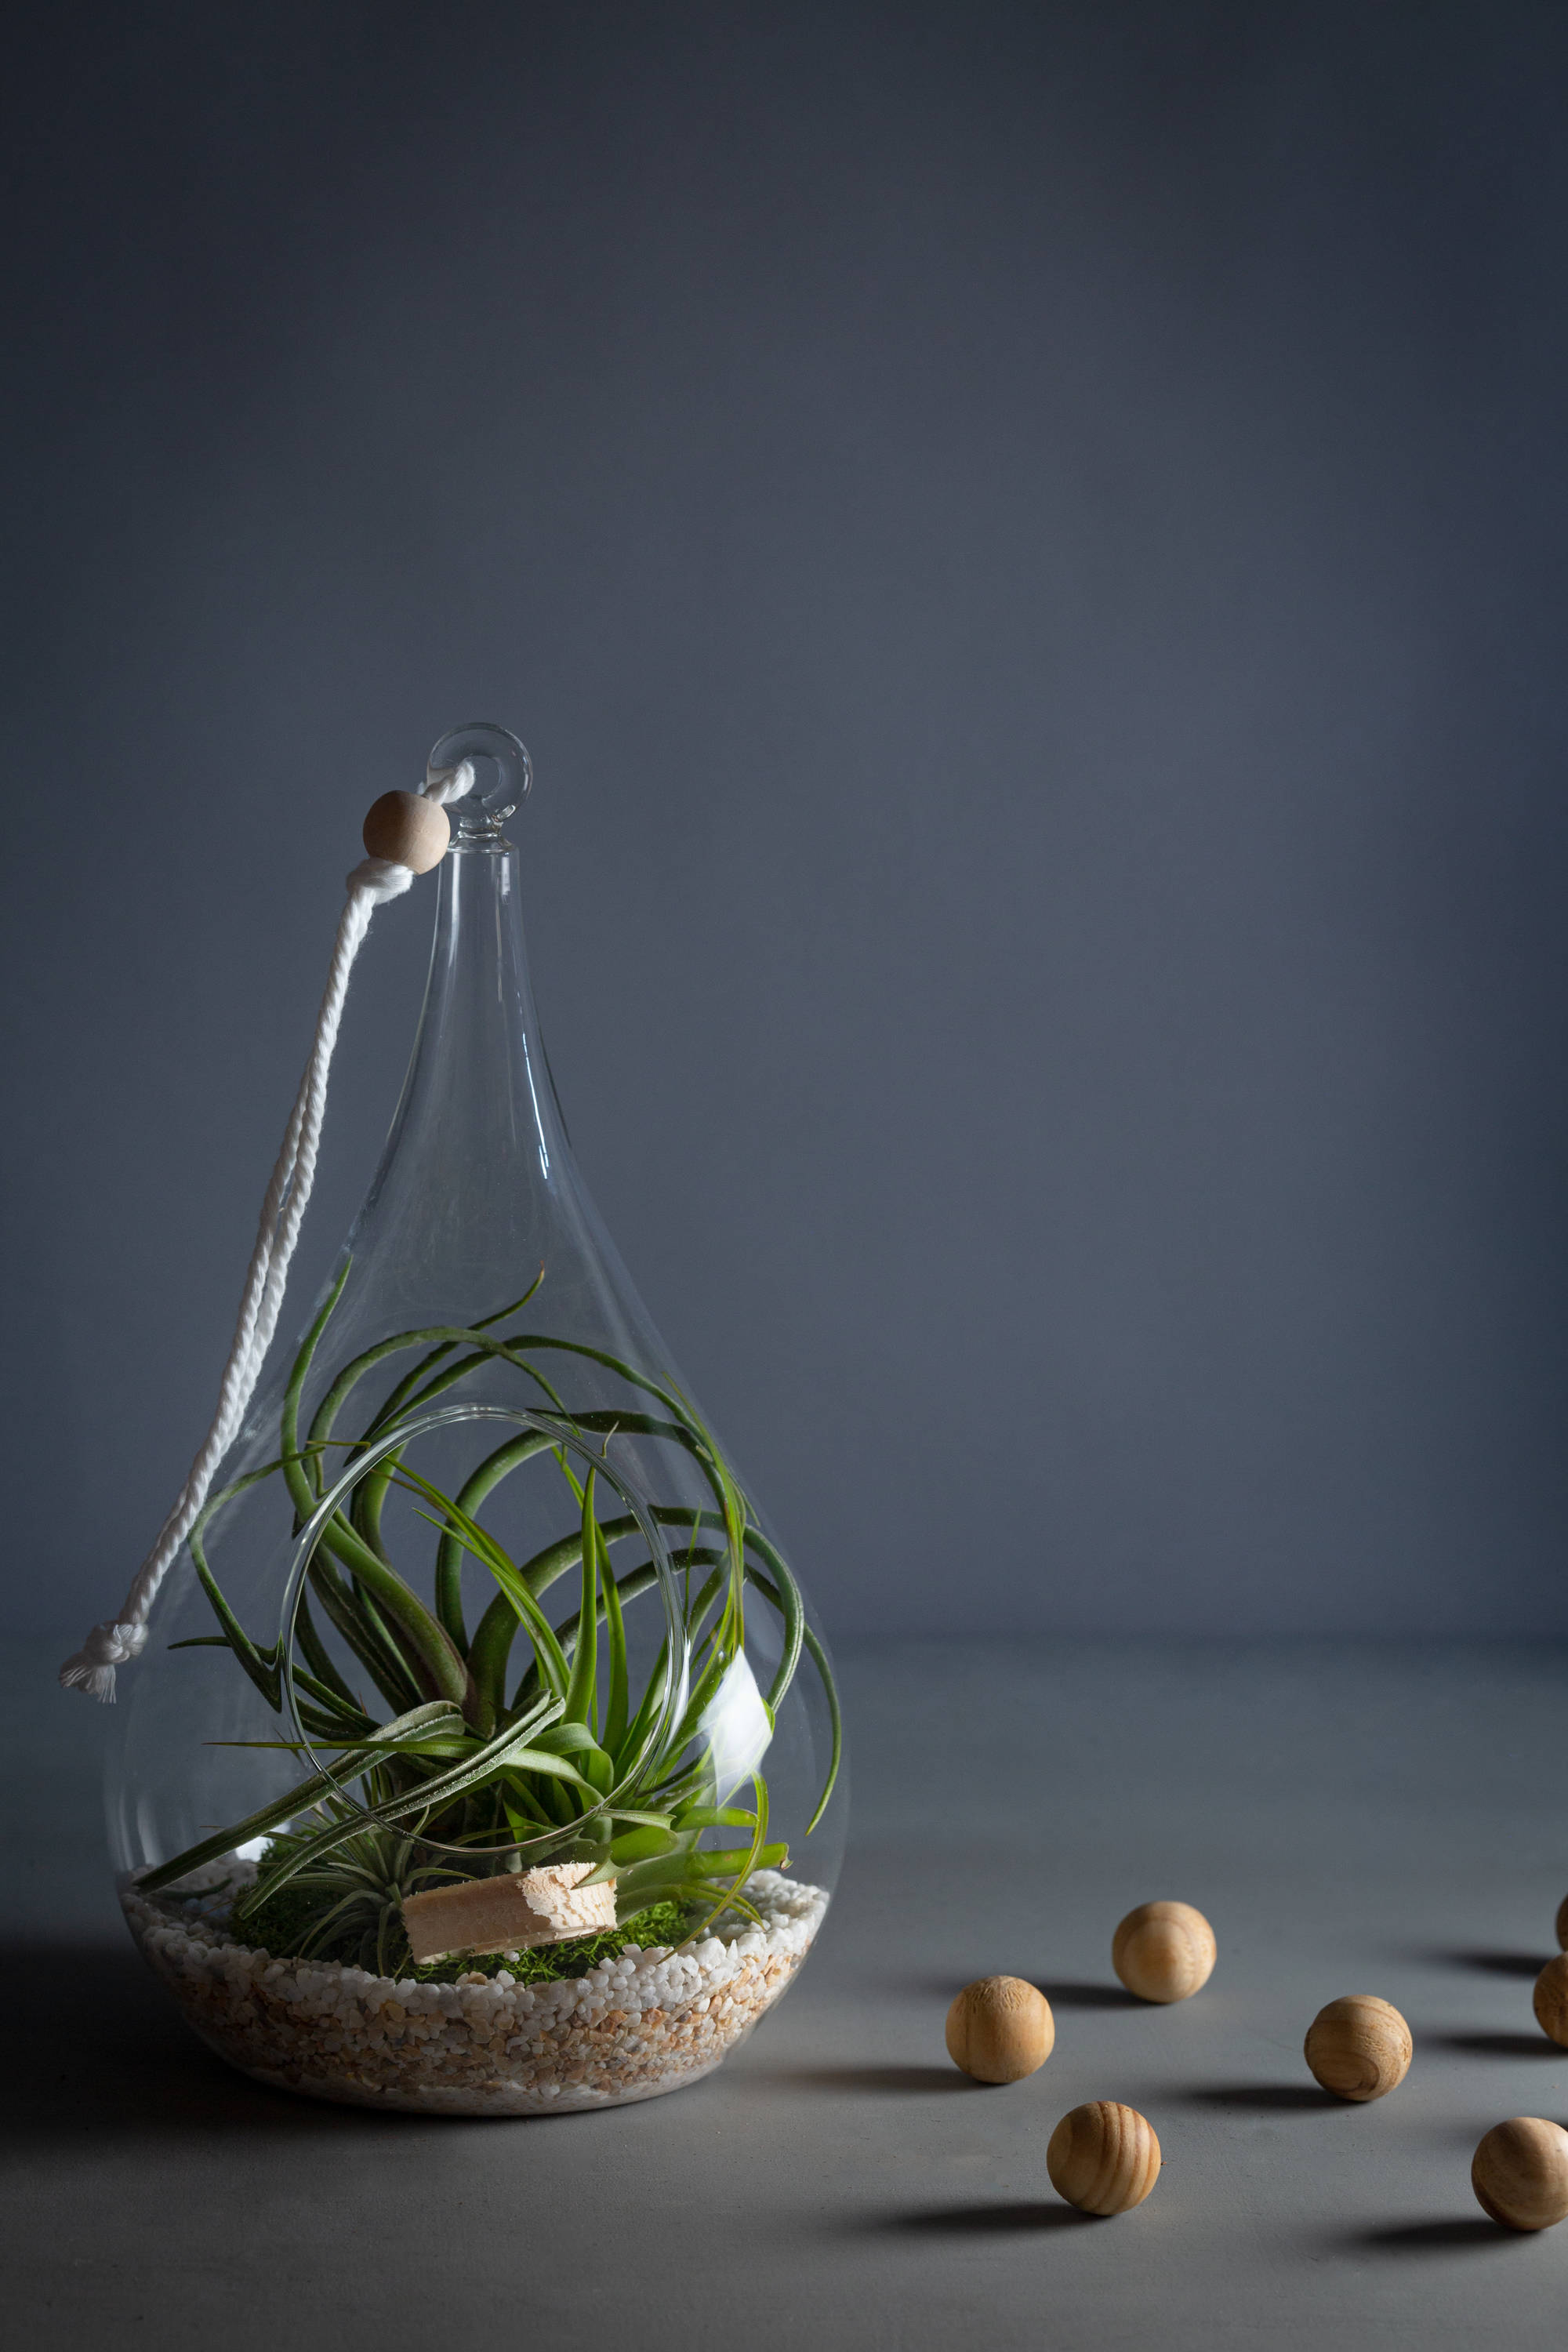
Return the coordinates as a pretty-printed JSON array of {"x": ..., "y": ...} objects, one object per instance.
[{"x": 468, "y": 1762}]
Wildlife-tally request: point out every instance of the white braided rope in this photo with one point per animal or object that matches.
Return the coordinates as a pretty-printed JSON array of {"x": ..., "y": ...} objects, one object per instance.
[{"x": 116, "y": 1640}]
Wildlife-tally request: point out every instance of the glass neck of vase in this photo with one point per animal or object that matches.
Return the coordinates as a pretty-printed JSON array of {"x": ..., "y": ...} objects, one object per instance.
[{"x": 470, "y": 1185}]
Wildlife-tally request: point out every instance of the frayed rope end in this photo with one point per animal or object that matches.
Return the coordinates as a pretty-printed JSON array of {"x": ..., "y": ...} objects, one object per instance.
[
  {"x": 80, "y": 1674},
  {"x": 107, "y": 1646}
]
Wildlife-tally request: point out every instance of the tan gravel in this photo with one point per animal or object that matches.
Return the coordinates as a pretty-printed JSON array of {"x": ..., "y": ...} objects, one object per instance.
[{"x": 645, "y": 2022}]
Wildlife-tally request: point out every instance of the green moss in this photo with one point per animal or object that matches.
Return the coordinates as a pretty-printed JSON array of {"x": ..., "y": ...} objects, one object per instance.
[
  {"x": 279, "y": 1923},
  {"x": 661, "y": 1923},
  {"x": 282, "y": 1922}
]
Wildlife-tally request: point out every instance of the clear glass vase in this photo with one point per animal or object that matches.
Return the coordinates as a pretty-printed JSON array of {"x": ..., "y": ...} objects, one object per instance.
[{"x": 484, "y": 1757}]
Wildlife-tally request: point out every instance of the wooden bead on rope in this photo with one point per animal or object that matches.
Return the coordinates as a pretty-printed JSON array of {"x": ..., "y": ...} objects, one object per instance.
[
  {"x": 1103, "y": 2159},
  {"x": 999, "y": 2029},
  {"x": 1519, "y": 2173},
  {"x": 1563, "y": 1923},
  {"x": 1551, "y": 1999},
  {"x": 1359, "y": 2047},
  {"x": 1163, "y": 1951},
  {"x": 408, "y": 830}
]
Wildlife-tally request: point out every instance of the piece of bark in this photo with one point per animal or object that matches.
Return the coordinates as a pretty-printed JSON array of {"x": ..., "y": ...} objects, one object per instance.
[{"x": 510, "y": 1913}]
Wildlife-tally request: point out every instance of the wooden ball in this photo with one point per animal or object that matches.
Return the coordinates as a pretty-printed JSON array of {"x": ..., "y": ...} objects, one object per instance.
[
  {"x": 1163, "y": 1951},
  {"x": 408, "y": 829},
  {"x": 1103, "y": 2159},
  {"x": 1000, "y": 2029},
  {"x": 1551, "y": 1999},
  {"x": 1360, "y": 2047},
  {"x": 1519, "y": 2173},
  {"x": 1563, "y": 1923}
]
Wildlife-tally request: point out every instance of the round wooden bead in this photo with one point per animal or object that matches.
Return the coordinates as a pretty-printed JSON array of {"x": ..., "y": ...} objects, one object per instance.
[
  {"x": 1563, "y": 1923},
  {"x": 1103, "y": 2159},
  {"x": 1360, "y": 2047},
  {"x": 1163, "y": 1951},
  {"x": 1551, "y": 1999},
  {"x": 999, "y": 2029},
  {"x": 408, "y": 829},
  {"x": 1519, "y": 2173}
]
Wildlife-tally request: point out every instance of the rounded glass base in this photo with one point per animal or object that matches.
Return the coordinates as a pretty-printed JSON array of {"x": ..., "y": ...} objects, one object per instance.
[{"x": 632, "y": 2027}]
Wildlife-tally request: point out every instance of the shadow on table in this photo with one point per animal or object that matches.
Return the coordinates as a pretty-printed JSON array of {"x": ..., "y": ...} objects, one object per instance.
[
  {"x": 1433, "y": 2237},
  {"x": 1491, "y": 1964},
  {"x": 981, "y": 2221},
  {"x": 876, "y": 2079},
  {"x": 1091, "y": 1996},
  {"x": 105, "y": 2052},
  {"x": 1265, "y": 2098},
  {"x": 1497, "y": 2045},
  {"x": 1060, "y": 1995}
]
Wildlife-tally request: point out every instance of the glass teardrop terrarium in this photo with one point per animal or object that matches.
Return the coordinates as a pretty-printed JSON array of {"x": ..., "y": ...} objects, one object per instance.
[{"x": 484, "y": 1757}]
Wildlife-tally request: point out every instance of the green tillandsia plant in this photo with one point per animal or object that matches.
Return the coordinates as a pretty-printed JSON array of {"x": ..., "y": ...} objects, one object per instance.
[{"x": 467, "y": 1761}]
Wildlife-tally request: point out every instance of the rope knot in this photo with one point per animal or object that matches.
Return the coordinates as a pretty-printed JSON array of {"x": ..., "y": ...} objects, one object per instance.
[
  {"x": 113, "y": 1643},
  {"x": 381, "y": 878}
]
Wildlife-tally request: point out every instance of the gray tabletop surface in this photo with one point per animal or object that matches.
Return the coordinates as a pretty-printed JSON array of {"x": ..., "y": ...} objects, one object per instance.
[{"x": 1352, "y": 1819}]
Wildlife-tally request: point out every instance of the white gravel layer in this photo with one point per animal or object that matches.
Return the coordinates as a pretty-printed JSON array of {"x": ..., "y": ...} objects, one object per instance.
[{"x": 645, "y": 2022}]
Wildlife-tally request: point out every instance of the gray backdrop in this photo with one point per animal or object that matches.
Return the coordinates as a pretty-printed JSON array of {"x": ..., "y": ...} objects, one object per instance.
[{"x": 1029, "y": 546}]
